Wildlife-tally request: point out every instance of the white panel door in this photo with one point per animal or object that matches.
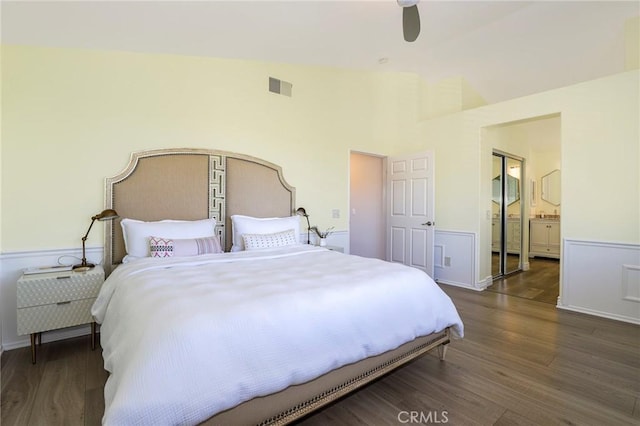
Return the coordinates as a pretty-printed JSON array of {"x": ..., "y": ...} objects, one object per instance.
[{"x": 410, "y": 222}]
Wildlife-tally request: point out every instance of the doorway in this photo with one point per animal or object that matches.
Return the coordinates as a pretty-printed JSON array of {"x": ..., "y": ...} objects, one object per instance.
[
  {"x": 366, "y": 205},
  {"x": 391, "y": 212},
  {"x": 507, "y": 214}
]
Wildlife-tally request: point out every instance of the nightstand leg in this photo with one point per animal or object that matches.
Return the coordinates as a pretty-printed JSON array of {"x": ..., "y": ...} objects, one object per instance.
[
  {"x": 33, "y": 348},
  {"x": 93, "y": 335}
]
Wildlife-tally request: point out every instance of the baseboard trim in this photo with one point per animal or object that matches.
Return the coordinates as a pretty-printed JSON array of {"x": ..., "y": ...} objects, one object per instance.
[
  {"x": 457, "y": 284},
  {"x": 599, "y": 314},
  {"x": 482, "y": 285}
]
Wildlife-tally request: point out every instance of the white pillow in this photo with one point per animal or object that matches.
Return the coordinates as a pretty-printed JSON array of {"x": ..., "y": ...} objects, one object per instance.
[
  {"x": 278, "y": 239},
  {"x": 255, "y": 225},
  {"x": 136, "y": 233}
]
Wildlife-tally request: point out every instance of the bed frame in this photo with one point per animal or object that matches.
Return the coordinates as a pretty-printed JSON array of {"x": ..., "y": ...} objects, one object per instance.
[{"x": 191, "y": 184}]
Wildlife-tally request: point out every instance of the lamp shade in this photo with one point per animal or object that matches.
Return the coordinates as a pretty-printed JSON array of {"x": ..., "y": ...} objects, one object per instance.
[{"x": 108, "y": 214}]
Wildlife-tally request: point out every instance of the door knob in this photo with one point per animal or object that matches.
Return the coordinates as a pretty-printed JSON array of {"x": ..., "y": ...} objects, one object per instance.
[{"x": 429, "y": 223}]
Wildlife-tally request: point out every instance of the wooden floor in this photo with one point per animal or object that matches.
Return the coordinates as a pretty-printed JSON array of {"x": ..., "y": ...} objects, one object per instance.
[
  {"x": 65, "y": 386},
  {"x": 521, "y": 363},
  {"x": 541, "y": 282}
]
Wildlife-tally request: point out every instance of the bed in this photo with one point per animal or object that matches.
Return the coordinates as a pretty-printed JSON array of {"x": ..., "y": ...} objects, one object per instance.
[{"x": 254, "y": 331}]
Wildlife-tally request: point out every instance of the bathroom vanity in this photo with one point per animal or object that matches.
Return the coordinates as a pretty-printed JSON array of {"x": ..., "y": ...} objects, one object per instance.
[{"x": 544, "y": 237}]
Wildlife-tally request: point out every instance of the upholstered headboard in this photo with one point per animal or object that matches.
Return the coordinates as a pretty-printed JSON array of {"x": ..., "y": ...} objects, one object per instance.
[{"x": 190, "y": 184}]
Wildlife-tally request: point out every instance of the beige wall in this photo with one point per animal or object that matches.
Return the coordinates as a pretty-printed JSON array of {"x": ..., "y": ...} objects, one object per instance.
[
  {"x": 72, "y": 117},
  {"x": 446, "y": 97},
  {"x": 600, "y": 153},
  {"x": 632, "y": 44}
]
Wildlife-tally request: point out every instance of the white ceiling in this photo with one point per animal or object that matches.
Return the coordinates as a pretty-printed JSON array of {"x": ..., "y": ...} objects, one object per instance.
[{"x": 505, "y": 49}]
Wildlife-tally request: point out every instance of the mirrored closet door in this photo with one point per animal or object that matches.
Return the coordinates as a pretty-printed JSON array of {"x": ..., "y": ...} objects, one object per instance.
[{"x": 506, "y": 222}]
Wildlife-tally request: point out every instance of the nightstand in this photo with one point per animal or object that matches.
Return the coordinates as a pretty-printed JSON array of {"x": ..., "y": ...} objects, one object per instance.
[{"x": 51, "y": 301}]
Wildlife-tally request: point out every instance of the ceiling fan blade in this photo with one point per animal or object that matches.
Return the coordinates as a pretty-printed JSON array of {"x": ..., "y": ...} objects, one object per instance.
[{"x": 410, "y": 23}]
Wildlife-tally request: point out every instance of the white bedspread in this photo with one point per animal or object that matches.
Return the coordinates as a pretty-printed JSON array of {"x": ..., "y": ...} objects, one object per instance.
[{"x": 186, "y": 338}]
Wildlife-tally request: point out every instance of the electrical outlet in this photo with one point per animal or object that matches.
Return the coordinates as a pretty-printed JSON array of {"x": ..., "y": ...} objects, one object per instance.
[
  {"x": 335, "y": 213},
  {"x": 447, "y": 261}
]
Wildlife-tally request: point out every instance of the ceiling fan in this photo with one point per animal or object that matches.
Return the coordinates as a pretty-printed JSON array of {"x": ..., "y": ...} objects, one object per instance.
[{"x": 410, "y": 19}]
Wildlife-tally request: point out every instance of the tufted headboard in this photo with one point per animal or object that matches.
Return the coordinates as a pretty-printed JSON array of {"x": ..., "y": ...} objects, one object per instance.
[{"x": 190, "y": 184}]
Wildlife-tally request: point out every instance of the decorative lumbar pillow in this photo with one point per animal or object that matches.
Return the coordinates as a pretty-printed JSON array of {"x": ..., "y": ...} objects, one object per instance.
[
  {"x": 166, "y": 247},
  {"x": 136, "y": 233},
  {"x": 277, "y": 239},
  {"x": 160, "y": 247},
  {"x": 242, "y": 225}
]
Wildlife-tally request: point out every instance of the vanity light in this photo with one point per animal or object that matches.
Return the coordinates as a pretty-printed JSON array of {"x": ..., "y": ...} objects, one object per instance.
[
  {"x": 108, "y": 214},
  {"x": 302, "y": 212}
]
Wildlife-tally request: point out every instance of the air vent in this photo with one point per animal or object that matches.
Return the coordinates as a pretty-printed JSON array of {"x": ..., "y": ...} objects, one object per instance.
[{"x": 280, "y": 87}]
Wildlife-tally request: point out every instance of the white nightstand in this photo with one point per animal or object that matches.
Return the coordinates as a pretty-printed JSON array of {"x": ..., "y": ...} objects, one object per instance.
[{"x": 56, "y": 300}]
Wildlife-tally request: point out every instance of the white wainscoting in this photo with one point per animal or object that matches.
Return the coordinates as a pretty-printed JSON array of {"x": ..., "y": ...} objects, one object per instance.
[
  {"x": 460, "y": 249},
  {"x": 601, "y": 278}
]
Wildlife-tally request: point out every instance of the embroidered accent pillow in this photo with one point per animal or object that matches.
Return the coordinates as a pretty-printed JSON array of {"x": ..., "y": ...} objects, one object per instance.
[
  {"x": 166, "y": 247},
  {"x": 160, "y": 247},
  {"x": 277, "y": 239}
]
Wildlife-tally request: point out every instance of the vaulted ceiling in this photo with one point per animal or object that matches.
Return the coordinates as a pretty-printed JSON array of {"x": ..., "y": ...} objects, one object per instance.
[{"x": 504, "y": 49}]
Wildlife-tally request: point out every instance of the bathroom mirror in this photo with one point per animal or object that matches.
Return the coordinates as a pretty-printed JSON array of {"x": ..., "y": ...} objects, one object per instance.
[
  {"x": 513, "y": 189},
  {"x": 551, "y": 188}
]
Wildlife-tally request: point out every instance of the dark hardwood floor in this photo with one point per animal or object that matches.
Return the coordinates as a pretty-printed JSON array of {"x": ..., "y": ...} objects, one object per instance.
[
  {"x": 521, "y": 362},
  {"x": 540, "y": 283}
]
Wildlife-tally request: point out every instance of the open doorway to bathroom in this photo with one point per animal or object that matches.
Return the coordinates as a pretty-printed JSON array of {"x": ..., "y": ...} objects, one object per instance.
[{"x": 537, "y": 140}]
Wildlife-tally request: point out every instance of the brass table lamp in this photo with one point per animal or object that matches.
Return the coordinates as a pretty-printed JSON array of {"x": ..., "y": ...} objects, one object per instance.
[{"x": 108, "y": 214}]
